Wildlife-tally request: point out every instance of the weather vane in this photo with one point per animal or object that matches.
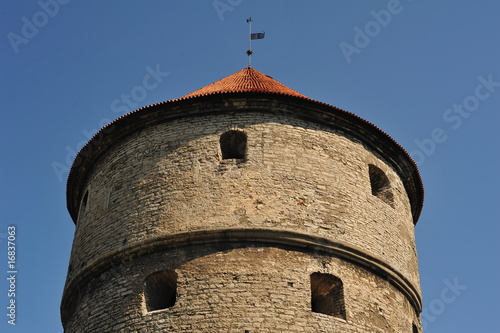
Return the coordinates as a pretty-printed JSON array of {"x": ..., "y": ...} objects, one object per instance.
[{"x": 258, "y": 35}]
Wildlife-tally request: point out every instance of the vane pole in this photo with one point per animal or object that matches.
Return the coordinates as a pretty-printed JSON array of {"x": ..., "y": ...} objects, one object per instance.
[{"x": 249, "y": 51}]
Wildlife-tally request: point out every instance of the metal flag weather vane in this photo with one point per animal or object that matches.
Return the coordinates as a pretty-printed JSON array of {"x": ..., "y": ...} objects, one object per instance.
[{"x": 258, "y": 35}]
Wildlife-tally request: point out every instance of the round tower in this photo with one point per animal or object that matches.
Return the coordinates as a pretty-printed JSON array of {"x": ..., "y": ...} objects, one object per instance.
[{"x": 243, "y": 207}]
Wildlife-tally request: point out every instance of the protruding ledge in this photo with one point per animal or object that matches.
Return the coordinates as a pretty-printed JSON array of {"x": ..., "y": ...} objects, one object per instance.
[{"x": 254, "y": 237}]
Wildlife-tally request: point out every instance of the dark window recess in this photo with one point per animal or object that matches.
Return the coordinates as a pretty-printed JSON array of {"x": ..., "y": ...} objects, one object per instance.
[
  {"x": 233, "y": 144},
  {"x": 83, "y": 206},
  {"x": 381, "y": 187},
  {"x": 160, "y": 290},
  {"x": 415, "y": 329},
  {"x": 327, "y": 295}
]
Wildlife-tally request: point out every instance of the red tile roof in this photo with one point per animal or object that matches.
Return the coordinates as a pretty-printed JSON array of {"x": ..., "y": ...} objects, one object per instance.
[{"x": 246, "y": 80}]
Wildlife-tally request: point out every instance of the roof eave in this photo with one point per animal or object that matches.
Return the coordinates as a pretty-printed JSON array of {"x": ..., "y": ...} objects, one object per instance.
[{"x": 149, "y": 115}]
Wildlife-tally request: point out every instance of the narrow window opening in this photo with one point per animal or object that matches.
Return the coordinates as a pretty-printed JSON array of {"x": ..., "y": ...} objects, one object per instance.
[
  {"x": 327, "y": 295},
  {"x": 233, "y": 145},
  {"x": 83, "y": 206},
  {"x": 415, "y": 329},
  {"x": 381, "y": 187},
  {"x": 160, "y": 290}
]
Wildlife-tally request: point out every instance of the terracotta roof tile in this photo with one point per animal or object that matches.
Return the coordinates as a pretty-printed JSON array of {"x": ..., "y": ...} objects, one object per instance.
[{"x": 246, "y": 80}]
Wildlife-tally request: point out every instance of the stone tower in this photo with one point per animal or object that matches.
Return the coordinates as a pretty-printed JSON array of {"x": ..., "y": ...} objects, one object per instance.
[{"x": 245, "y": 207}]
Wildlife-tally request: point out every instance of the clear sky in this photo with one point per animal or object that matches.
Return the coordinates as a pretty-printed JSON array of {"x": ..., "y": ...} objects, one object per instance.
[{"x": 426, "y": 72}]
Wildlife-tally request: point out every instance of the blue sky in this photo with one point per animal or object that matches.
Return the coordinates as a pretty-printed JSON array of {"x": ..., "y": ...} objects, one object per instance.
[{"x": 426, "y": 72}]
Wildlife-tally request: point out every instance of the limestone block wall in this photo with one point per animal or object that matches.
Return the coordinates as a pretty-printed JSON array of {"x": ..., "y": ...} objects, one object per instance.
[
  {"x": 297, "y": 176},
  {"x": 299, "y": 202},
  {"x": 240, "y": 289}
]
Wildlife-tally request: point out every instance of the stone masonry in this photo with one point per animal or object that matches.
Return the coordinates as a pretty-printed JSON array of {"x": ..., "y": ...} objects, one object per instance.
[{"x": 307, "y": 227}]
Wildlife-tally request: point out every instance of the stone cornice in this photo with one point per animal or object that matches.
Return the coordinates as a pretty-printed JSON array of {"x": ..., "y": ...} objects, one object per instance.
[{"x": 241, "y": 238}]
